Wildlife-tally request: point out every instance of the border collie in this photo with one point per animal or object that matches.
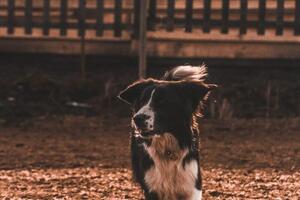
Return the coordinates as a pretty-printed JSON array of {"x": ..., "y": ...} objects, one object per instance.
[{"x": 165, "y": 140}]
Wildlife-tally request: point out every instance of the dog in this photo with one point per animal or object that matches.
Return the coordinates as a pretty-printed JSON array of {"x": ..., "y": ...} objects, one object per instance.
[{"x": 165, "y": 137}]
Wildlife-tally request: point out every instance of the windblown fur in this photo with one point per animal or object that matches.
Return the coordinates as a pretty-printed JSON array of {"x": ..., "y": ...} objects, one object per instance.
[{"x": 186, "y": 73}]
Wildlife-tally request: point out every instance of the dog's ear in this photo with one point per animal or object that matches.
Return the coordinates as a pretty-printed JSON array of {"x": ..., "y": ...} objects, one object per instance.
[
  {"x": 133, "y": 91},
  {"x": 196, "y": 91}
]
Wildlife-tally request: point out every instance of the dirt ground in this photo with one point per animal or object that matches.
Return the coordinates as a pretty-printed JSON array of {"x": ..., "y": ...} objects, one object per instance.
[
  {"x": 62, "y": 137},
  {"x": 88, "y": 158}
]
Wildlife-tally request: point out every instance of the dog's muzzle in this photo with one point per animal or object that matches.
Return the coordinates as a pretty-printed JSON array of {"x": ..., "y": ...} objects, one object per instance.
[{"x": 140, "y": 121}]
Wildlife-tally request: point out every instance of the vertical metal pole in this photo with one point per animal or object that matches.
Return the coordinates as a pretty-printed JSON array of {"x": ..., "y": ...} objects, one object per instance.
[{"x": 143, "y": 39}]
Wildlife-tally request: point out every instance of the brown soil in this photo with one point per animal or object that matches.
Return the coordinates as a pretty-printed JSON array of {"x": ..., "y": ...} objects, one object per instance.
[
  {"x": 51, "y": 148},
  {"x": 88, "y": 158}
]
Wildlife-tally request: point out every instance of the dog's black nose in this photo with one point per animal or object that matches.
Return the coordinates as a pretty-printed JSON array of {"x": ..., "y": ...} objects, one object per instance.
[{"x": 140, "y": 120}]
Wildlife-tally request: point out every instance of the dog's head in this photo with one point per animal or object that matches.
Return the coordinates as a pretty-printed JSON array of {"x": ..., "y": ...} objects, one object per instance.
[{"x": 164, "y": 106}]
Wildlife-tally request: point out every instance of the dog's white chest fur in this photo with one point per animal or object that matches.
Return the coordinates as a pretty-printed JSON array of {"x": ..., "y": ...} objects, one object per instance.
[{"x": 168, "y": 178}]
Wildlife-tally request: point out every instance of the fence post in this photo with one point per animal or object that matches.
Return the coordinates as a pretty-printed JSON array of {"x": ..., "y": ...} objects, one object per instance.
[
  {"x": 143, "y": 39},
  {"x": 152, "y": 15},
  {"x": 46, "y": 17},
  {"x": 279, "y": 17},
  {"x": 225, "y": 16},
  {"x": 297, "y": 18},
  {"x": 137, "y": 11},
  {"x": 170, "y": 15},
  {"x": 261, "y": 17},
  {"x": 118, "y": 18},
  {"x": 243, "y": 16},
  {"x": 188, "y": 15},
  {"x": 63, "y": 17},
  {"x": 99, "y": 17},
  {"x": 11, "y": 16},
  {"x": 206, "y": 16},
  {"x": 28, "y": 16}
]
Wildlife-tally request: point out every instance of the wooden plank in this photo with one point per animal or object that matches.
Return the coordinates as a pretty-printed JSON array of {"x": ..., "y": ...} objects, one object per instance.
[
  {"x": 81, "y": 20},
  {"x": 63, "y": 17},
  {"x": 188, "y": 15},
  {"x": 11, "y": 16},
  {"x": 261, "y": 17},
  {"x": 297, "y": 18},
  {"x": 28, "y": 16},
  {"x": 46, "y": 17},
  {"x": 263, "y": 47},
  {"x": 206, "y": 16},
  {"x": 75, "y": 25},
  {"x": 179, "y": 36},
  {"x": 279, "y": 17},
  {"x": 225, "y": 16},
  {"x": 99, "y": 17},
  {"x": 118, "y": 18},
  {"x": 243, "y": 16},
  {"x": 136, "y": 18},
  {"x": 116, "y": 46},
  {"x": 152, "y": 15},
  {"x": 235, "y": 23},
  {"x": 180, "y": 23},
  {"x": 221, "y": 46},
  {"x": 170, "y": 15}
]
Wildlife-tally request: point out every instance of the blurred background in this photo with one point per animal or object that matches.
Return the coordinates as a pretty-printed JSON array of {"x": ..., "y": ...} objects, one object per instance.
[{"x": 64, "y": 134}]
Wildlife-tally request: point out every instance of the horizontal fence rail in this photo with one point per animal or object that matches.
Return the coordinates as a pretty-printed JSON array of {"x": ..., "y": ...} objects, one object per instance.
[{"x": 120, "y": 16}]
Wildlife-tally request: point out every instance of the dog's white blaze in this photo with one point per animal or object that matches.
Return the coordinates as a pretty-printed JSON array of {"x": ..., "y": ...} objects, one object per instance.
[
  {"x": 197, "y": 195},
  {"x": 169, "y": 178},
  {"x": 147, "y": 110}
]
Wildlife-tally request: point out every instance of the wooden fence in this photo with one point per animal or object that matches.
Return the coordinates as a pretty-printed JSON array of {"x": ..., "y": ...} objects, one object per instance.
[
  {"x": 242, "y": 15},
  {"x": 169, "y": 15},
  {"x": 62, "y": 16}
]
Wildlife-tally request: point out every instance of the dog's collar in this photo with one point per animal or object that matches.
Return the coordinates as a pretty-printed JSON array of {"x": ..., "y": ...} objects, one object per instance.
[
  {"x": 168, "y": 154},
  {"x": 140, "y": 139}
]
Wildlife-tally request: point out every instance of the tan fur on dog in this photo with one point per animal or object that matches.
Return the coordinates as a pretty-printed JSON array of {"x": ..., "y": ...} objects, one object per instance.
[{"x": 168, "y": 177}]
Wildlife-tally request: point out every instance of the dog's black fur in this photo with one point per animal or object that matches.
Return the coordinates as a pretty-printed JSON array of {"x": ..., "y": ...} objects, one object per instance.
[{"x": 175, "y": 103}]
